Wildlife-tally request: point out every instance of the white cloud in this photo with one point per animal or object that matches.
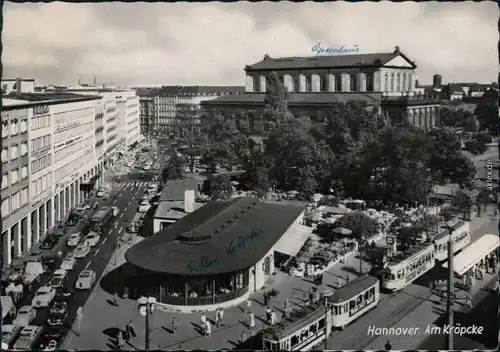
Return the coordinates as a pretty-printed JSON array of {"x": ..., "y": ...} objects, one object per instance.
[{"x": 211, "y": 43}]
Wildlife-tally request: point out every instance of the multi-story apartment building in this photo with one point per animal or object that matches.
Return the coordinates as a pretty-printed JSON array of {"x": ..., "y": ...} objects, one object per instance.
[
  {"x": 54, "y": 146},
  {"x": 385, "y": 80},
  {"x": 163, "y": 109},
  {"x": 49, "y": 163}
]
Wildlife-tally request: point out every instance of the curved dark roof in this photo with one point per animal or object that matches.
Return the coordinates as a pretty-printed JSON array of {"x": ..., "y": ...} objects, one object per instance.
[{"x": 248, "y": 226}]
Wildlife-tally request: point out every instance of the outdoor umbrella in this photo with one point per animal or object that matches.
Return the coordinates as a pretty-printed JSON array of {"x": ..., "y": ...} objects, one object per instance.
[
  {"x": 317, "y": 197},
  {"x": 329, "y": 221},
  {"x": 315, "y": 217},
  {"x": 293, "y": 192},
  {"x": 235, "y": 183},
  {"x": 342, "y": 231}
]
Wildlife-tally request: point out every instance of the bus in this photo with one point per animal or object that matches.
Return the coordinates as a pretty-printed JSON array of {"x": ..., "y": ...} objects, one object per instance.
[
  {"x": 308, "y": 327},
  {"x": 101, "y": 218},
  {"x": 460, "y": 237},
  {"x": 407, "y": 266}
]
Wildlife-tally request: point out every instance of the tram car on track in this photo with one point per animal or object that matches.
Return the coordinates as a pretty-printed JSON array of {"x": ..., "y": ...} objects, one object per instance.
[
  {"x": 407, "y": 266},
  {"x": 460, "y": 237},
  {"x": 307, "y": 328}
]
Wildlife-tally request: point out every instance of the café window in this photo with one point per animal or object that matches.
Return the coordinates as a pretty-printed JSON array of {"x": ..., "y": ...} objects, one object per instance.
[
  {"x": 256, "y": 84},
  {"x": 369, "y": 82},
  {"x": 323, "y": 84},
  {"x": 354, "y": 82},
  {"x": 296, "y": 84},
  {"x": 338, "y": 83},
  {"x": 308, "y": 83}
]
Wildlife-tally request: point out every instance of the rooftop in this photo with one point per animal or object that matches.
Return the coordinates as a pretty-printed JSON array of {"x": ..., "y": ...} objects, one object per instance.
[
  {"x": 410, "y": 253},
  {"x": 174, "y": 190},
  {"x": 173, "y": 210},
  {"x": 248, "y": 226},
  {"x": 316, "y": 98},
  {"x": 47, "y": 97},
  {"x": 326, "y": 61},
  {"x": 189, "y": 90}
]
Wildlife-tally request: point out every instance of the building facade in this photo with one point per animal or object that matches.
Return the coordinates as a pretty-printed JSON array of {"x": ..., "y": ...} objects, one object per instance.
[
  {"x": 18, "y": 85},
  {"x": 163, "y": 110},
  {"x": 54, "y": 146},
  {"x": 316, "y": 83}
]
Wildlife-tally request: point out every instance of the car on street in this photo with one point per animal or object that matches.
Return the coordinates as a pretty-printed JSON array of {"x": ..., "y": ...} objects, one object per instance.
[
  {"x": 82, "y": 250},
  {"x": 73, "y": 239},
  {"x": 59, "y": 307},
  {"x": 144, "y": 207},
  {"x": 116, "y": 211},
  {"x": 68, "y": 263},
  {"x": 73, "y": 219},
  {"x": 54, "y": 333},
  {"x": 25, "y": 315},
  {"x": 49, "y": 242},
  {"x": 58, "y": 278},
  {"x": 92, "y": 239},
  {"x": 9, "y": 333},
  {"x": 63, "y": 295},
  {"x": 43, "y": 297},
  {"x": 100, "y": 193},
  {"x": 57, "y": 318},
  {"x": 86, "y": 279},
  {"x": 27, "y": 337}
]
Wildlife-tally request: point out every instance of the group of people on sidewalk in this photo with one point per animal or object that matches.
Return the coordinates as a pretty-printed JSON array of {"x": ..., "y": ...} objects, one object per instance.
[
  {"x": 205, "y": 323},
  {"x": 126, "y": 335}
]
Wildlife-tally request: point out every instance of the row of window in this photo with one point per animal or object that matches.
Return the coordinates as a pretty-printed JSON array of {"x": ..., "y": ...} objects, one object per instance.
[
  {"x": 40, "y": 185},
  {"x": 16, "y": 201},
  {"x": 15, "y": 176},
  {"x": 15, "y": 126},
  {"x": 444, "y": 247},
  {"x": 71, "y": 115},
  {"x": 339, "y": 309},
  {"x": 74, "y": 165},
  {"x": 73, "y": 148},
  {"x": 38, "y": 122},
  {"x": 14, "y": 152},
  {"x": 398, "y": 82},
  {"x": 415, "y": 265},
  {"x": 40, "y": 142},
  {"x": 41, "y": 163},
  {"x": 72, "y": 130}
]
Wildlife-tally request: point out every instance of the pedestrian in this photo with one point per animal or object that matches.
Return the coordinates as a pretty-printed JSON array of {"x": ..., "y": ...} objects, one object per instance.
[
  {"x": 249, "y": 305},
  {"x": 268, "y": 315},
  {"x": 79, "y": 317},
  {"x": 115, "y": 299},
  {"x": 174, "y": 326},
  {"x": 131, "y": 329},
  {"x": 243, "y": 337},
  {"x": 311, "y": 297},
  {"x": 320, "y": 279},
  {"x": 203, "y": 319},
  {"x": 388, "y": 346},
  {"x": 217, "y": 318},
  {"x": 287, "y": 304},
  {"x": 251, "y": 322},
  {"x": 347, "y": 279},
  {"x": 120, "y": 341},
  {"x": 127, "y": 333},
  {"x": 221, "y": 316},
  {"x": 273, "y": 318},
  {"x": 266, "y": 298},
  {"x": 208, "y": 329}
]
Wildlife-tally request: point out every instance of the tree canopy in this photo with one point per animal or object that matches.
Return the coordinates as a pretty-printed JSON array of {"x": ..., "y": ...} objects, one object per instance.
[
  {"x": 361, "y": 225},
  {"x": 220, "y": 187},
  {"x": 487, "y": 112},
  {"x": 172, "y": 169}
]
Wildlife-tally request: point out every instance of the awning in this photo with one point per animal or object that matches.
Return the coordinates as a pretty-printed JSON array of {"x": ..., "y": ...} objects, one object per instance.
[
  {"x": 293, "y": 240},
  {"x": 473, "y": 254}
]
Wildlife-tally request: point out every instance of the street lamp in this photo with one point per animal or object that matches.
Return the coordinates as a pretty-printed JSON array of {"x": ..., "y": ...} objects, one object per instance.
[{"x": 146, "y": 307}]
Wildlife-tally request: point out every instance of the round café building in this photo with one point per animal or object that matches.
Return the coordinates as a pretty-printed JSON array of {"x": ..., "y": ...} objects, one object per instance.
[{"x": 217, "y": 255}]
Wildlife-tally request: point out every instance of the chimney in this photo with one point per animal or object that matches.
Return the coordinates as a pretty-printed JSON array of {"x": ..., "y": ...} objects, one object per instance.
[
  {"x": 189, "y": 201},
  {"x": 18, "y": 85}
]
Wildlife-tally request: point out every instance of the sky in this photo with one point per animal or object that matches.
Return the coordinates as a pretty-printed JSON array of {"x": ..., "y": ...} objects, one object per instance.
[{"x": 132, "y": 44}]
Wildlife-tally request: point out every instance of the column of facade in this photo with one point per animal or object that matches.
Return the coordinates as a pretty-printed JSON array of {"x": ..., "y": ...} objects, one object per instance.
[
  {"x": 27, "y": 234},
  {"x": 61, "y": 205},
  {"x": 46, "y": 216},
  {"x": 249, "y": 84},
  {"x": 287, "y": 82},
  {"x": 331, "y": 82},
  {"x": 17, "y": 239},
  {"x": 346, "y": 82},
  {"x": 6, "y": 238},
  {"x": 262, "y": 84},
  {"x": 377, "y": 81},
  {"x": 315, "y": 83},
  {"x": 35, "y": 225},
  {"x": 362, "y": 82},
  {"x": 302, "y": 83}
]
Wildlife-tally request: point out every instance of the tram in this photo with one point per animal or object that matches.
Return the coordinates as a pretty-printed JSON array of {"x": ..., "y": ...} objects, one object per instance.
[
  {"x": 309, "y": 327},
  {"x": 407, "y": 266},
  {"x": 460, "y": 237}
]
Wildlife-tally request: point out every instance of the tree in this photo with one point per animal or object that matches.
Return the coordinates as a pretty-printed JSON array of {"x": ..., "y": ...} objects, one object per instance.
[
  {"x": 487, "y": 112},
  {"x": 427, "y": 221},
  {"x": 447, "y": 213},
  {"x": 484, "y": 197},
  {"x": 276, "y": 109},
  {"x": 220, "y": 187},
  {"x": 476, "y": 147},
  {"x": 258, "y": 173},
  {"x": 458, "y": 118},
  {"x": 172, "y": 169},
  {"x": 462, "y": 203},
  {"x": 361, "y": 225}
]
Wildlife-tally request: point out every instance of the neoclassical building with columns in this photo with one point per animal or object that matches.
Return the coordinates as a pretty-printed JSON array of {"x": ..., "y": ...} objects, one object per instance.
[{"x": 386, "y": 80}]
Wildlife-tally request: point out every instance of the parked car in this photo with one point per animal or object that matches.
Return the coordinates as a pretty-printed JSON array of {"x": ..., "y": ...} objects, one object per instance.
[
  {"x": 63, "y": 295},
  {"x": 54, "y": 333},
  {"x": 82, "y": 250},
  {"x": 92, "y": 239},
  {"x": 25, "y": 315},
  {"x": 85, "y": 280},
  {"x": 59, "y": 307},
  {"x": 73, "y": 239},
  {"x": 68, "y": 263},
  {"x": 57, "y": 319},
  {"x": 17, "y": 271},
  {"x": 100, "y": 193},
  {"x": 58, "y": 278},
  {"x": 73, "y": 219},
  {"x": 43, "y": 297},
  {"x": 27, "y": 337},
  {"x": 144, "y": 207},
  {"x": 9, "y": 333},
  {"x": 49, "y": 242}
]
